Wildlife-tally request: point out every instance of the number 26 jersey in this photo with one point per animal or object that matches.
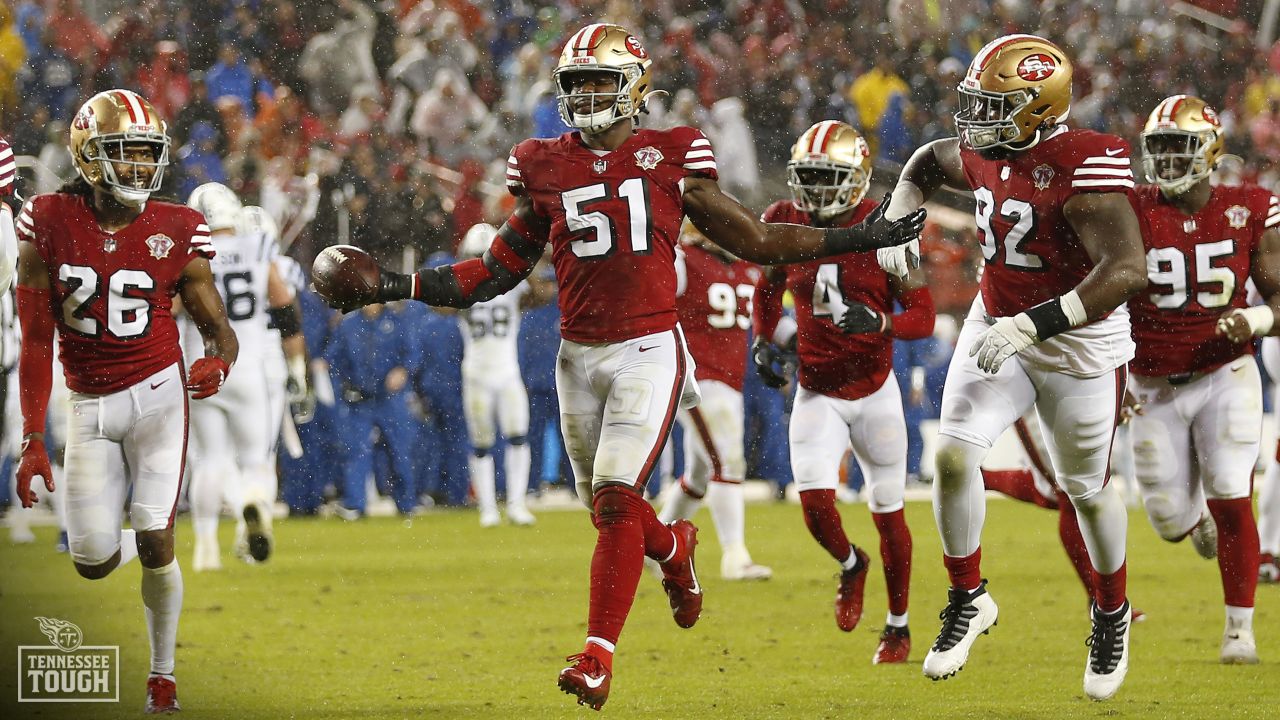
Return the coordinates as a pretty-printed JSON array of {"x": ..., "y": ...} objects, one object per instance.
[{"x": 615, "y": 219}]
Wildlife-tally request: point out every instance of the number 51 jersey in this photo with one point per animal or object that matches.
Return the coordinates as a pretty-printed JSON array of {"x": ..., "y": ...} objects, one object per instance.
[
  {"x": 615, "y": 218},
  {"x": 1031, "y": 252}
]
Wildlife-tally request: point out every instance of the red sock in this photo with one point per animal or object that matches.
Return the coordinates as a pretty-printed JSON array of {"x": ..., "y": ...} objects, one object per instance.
[
  {"x": 823, "y": 520},
  {"x": 1017, "y": 484},
  {"x": 617, "y": 563},
  {"x": 1109, "y": 592},
  {"x": 965, "y": 572},
  {"x": 599, "y": 652},
  {"x": 895, "y": 553},
  {"x": 659, "y": 541},
  {"x": 1237, "y": 549},
  {"x": 1073, "y": 542}
]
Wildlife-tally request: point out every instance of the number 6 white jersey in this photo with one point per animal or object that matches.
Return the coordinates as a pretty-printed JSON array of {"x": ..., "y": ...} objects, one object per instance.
[{"x": 489, "y": 333}]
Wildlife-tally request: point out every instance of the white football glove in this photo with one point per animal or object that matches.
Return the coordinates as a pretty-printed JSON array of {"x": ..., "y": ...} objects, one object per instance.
[
  {"x": 899, "y": 259},
  {"x": 1006, "y": 337}
]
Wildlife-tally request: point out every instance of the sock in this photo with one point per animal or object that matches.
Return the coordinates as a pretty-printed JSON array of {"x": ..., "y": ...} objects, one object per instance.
[
  {"x": 966, "y": 571},
  {"x": 1237, "y": 550},
  {"x": 162, "y": 597},
  {"x": 823, "y": 520},
  {"x": 681, "y": 504},
  {"x": 516, "y": 465},
  {"x": 895, "y": 555},
  {"x": 601, "y": 650},
  {"x": 1240, "y": 617},
  {"x": 1018, "y": 484},
  {"x": 617, "y": 562},
  {"x": 482, "y": 481},
  {"x": 896, "y": 620},
  {"x": 1269, "y": 507},
  {"x": 1073, "y": 543},
  {"x": 660, "y": 543},
  {"x": 206, "y": 501},
  {"x": 728, "y": 512},
  {"x": 1109, "y": 593},
  {"x": 128, "y": 546}
]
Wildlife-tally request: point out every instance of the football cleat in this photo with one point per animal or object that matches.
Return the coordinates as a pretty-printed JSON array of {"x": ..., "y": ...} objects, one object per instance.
[
  {"x": 1204, "y": 537},
  {"x": 1108, "y": 660},
  {"x": 736, "y": 564},
  {"x": 207, "y": 556},
  {"x": 895, "y": 646},
  {"x": 162, "y": 695},
  {"x": 1238, "y": 645},
  {"x": 966, "y": 616},
  {"x": 849, "y": 594},
  {"x": 520, "y": 515},
  {"x": 1268, "y": 569},
  {"x": 257, "y": 541},
  {"x": 489, "y": 517},
  {"x": 680, "y": 578},
  {"x": 588, "y": 679}
]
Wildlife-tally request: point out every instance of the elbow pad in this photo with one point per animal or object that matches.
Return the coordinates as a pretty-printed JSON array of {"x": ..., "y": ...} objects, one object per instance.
[{"x": 285, "y": 319}]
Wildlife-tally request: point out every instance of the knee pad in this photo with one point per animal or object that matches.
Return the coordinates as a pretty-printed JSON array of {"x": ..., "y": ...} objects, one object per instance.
[
  {"x": 885, "y": 495},
  {"x": 480, "y": 452},
  {"x": 518, "y": 440},
  {"x": 955, "y": 459},
  {"x": 94, "y": 548},
  {"x": 1166, "y": 517}
]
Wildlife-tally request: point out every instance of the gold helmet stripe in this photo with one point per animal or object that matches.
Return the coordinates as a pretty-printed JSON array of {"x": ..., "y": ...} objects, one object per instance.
[
  {"x": 138, "y": 114},
  {"x": 992, "y": 49},
  {"x": 821, "y": 136}
]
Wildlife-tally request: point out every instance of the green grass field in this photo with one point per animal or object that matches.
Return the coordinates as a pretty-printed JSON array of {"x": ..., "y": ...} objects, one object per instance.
[{"x": 441, "y": 619}]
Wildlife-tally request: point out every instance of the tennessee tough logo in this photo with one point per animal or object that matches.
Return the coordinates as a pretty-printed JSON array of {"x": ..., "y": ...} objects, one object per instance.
[{"x": 1034, "y": 68}]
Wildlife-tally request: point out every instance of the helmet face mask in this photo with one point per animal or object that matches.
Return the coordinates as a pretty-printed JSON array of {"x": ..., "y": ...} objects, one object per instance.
[
  {"x": 989, "y": 120},
  {"x": 1016, "y": 87},
  {"x": 120, "y": 145},
  {"x": 1181, "y": 144},
  {"x": 608, "y": 52},
  {"x": 830, "y": 170}
]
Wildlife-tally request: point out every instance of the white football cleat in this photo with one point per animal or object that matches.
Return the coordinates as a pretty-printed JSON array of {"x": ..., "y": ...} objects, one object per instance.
[
  {"x": 966, "y": 616},
  {"x": 1238, "y": 646},
  {"x": 1204, "y": 537},
  {"x": 520, "y": 515},
  {"x": 489, "y": 517},
  {"x": 208, "y": 556},
  {"x": 1108, "y": 660},
  {"x": 736, "y": 564},
  {"x": 1268, "y": 569},
  {"x": 21, "y": 534}
]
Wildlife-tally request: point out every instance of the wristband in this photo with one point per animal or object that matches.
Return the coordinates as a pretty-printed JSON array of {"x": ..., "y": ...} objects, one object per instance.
[{"x": 1057, "y": 315}]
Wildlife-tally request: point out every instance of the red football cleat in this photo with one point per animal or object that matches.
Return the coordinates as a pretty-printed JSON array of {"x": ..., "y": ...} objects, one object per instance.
[
  {"x": 679, "y": 578},
  {"x": 895, "y": 646},
  {"x": 849, "y": 596},
  {"x": 586, "y": 678},
  {"x": 162, "y": 695}
]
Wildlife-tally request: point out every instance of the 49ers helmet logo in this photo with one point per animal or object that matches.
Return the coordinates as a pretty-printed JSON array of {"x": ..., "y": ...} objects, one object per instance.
[
  {"x": 1035, "y": 68},
  {"x": 635, "y": 48},
  {"x": 1211, "y": 117},
  {"x": 84, "y": 119}
]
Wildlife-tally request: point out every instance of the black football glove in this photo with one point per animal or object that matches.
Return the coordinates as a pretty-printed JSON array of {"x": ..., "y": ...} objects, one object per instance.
[
  {"x": 859, "y": 319},
  {"x": 772, "y": 363},
  {"x": 875, "y": 231}
]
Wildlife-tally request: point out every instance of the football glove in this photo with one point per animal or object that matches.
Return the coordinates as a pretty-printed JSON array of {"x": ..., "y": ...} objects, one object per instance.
[
  {"x": 765, "y": 355},
  {"x": 34, "y": 463},
  {"x": 859, "y": 319},
  {"x": 206, "y": 376},
  {"x": 1004, "y": 338},
  {"x": 900, "y": 260}
]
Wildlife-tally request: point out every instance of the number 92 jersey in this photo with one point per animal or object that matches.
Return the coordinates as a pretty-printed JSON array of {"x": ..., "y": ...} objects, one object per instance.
[
  {"x": 614, "y": 219},
  {"x": 112, "y": 293},
  {"x": 1031, "y": 252},
  {"x": 1197, "y": 266}
]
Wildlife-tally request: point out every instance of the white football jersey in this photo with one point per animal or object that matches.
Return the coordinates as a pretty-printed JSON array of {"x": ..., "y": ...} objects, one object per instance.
[
  {"x": 489, "y": 332},
  {"x": 240, "y": 271}
]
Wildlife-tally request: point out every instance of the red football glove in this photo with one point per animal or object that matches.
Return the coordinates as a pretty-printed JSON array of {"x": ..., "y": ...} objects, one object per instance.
[
  {"x": 206, "y": 376},
  {"x": 34, "y": 463}
]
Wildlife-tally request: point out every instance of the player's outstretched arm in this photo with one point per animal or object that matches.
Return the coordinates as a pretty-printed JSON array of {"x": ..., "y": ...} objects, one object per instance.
[
  {"x": 35, "y": 368},
  {"x": 202, "y": 302},
  {"x": 1241, "y": 324},
  {"x": 731, "y": 226}
]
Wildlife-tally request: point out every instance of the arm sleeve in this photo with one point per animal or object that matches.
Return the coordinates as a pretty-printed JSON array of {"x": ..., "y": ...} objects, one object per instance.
[
  {"x": 35, "y": 360},
  {"x": 917, "y": 316},
  {"x": 507, "y": 262}
]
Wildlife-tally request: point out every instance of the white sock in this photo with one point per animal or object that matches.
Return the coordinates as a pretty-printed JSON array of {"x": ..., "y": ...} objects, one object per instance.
[
  {"x": 162, "y": 596},
  {"x": 1269, "y": 510},
  {"x": 728, "y": 511},
  {"x": 206, "y": 500},
  {"x": 1240, "y": 617},
  {"x": 896, "y": 620},
  {"x": 850, "y": 562},
  {"x": 680, "y": 505},
  {"x": 128, "y": 546},
  {"x": 516, "y": 465},
  {"x": 482, "y": 481}
]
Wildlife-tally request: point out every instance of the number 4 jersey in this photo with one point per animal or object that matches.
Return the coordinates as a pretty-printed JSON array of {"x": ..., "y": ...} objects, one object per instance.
[
  {"x": 112, "y": 293},
  {"x": 614, "y": 219},
  {"x": 1197, "y": 266},
  {"x": 1030, "y": 251}
]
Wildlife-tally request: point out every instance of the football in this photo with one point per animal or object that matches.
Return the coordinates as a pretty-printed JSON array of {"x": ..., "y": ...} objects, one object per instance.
[{"x": 346, "y": 276}]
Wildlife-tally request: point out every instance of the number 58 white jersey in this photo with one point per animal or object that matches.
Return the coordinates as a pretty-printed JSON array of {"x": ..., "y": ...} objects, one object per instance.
[{"x": 489, "y": 333}]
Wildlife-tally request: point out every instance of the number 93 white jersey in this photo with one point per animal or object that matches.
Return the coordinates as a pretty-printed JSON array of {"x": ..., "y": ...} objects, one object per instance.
[{"x": 489, "y": 332}]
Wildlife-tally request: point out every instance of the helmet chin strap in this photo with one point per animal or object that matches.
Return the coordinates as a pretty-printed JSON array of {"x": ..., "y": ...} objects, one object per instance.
[{"x": 132, "y": 198}]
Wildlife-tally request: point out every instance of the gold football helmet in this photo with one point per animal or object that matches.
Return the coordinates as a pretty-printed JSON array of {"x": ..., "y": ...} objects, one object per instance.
[
  {"x": 830, "y": 169},
  {"x": 1016, "y": 86},
  {"x": 1181, "y": 143},
  {"x": 602, "y": 47},
  {"x": 106, "y": 124}
]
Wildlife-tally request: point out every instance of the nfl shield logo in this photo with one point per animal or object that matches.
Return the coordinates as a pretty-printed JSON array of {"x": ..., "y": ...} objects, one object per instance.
[
  {"x": 1237, "y": 216},
  {"x": 648, "y": 157},
  {"x": 599, "y": 166},
  {"x": 109, "y": 245},
  {"x": 1189, "y": 226},
  {"x": 1042, "y": 176},
  {"x": 160, "y": 245}
]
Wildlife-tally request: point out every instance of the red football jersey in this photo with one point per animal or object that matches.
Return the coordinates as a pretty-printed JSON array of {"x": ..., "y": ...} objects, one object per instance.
[
  {"x": 1032, "y": 254},
  {"x": 112, "y": 293},
  {"x": 1197, "y": 266},
  {"x": 615, "y": 218},
  {"x": 715, "y": 312},
  {"x": 833, "y": 363}
]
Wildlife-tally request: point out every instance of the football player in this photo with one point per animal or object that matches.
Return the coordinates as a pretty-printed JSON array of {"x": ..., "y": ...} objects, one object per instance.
[
  {"x": 8, "y": 240},
  {"x": 235, "y": 431},
  {"x": 844, "y": 330},
  {"x": 714, "y": 291},
  {"x": 1195, "y": 441},
  {"x": 1269, "y": 493},
  {"x": 100, "y": 262},
  {"x": 1048, "y": 330},
  {"x": 608, "y": 198},
  {"x": 493, "y": 388}
]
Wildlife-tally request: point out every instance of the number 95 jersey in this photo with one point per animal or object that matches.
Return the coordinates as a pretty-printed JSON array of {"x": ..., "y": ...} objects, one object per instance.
[
  {"x": 1030, "y": 251},
  {"x": 615, "y": 218}
]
